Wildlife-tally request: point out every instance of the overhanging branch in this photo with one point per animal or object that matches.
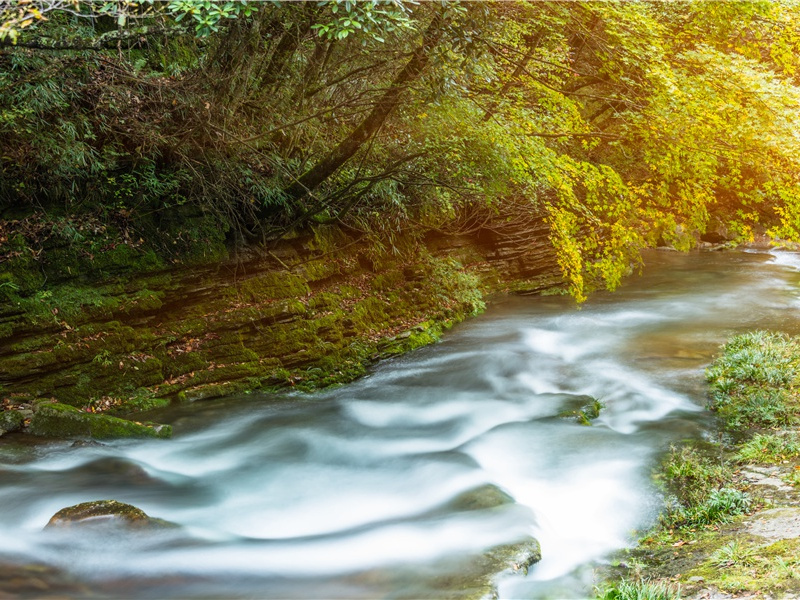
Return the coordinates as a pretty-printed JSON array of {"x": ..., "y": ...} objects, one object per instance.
[{"x": 103, "y": 42}]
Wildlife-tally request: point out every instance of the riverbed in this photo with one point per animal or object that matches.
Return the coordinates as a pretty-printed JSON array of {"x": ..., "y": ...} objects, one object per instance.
[{"x": 389, "y": 486}]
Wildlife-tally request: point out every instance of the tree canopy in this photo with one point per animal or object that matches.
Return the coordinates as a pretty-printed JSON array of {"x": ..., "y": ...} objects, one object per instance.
[{"x": 623, "y": 124}]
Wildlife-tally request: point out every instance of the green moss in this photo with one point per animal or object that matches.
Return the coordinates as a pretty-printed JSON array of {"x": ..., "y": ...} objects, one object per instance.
[
  {"x": 273, "y": 285},
  {"x": 319, "y": 270},
  {"x": 325, "y": 301},
  {"x": 11, "y": 420},
  {"x": 387, "y": 281},
  {"x": 141, "y": 401},
  {"x": 369, "y": 313},
  {"x": 24, "y": 273},
  {"x": 60, "y": 420},
  {"x": 125, "y": 259}
]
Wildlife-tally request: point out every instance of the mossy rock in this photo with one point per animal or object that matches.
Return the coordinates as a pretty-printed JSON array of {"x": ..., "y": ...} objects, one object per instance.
[
  {"x": 61, "y": 420},
  {"x": 272, "y": 285},
  {"x": 104, "y": 513},
  {"x": 11, "y": 420},
  {"x": 587, "y": 413},
  {"x": 513, "y": 558}
]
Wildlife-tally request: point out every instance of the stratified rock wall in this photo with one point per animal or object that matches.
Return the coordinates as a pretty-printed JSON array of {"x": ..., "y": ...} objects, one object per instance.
[{"x": 313, "y": 311}]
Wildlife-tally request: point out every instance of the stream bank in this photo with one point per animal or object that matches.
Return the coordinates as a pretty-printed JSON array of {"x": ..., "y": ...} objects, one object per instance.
[
  {"x": 312, "y": 312},
  {"x": 731, "y": 527}
]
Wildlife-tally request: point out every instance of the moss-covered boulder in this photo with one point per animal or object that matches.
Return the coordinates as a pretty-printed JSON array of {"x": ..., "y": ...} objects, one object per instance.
[
  {"x": 61, "y": 420},
  {"x": 11, "y": 420},
  {"x": 105, "y": 513}
]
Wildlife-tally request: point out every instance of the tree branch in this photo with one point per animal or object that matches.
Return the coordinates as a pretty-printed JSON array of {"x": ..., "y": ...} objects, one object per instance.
[{"x": 104, "y": 42}]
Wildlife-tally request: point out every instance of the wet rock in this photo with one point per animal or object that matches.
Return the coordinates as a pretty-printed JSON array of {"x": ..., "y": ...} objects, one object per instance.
[
  {"x": 462, "y": 578},
  {"x": 776, "y": 524},
  {"x": 11, "y": 420},
  {"x": 481, "y": 498},
  {"x": 588, "y": 411},
  {"x": 86, "y": 444},
  {"x": 38, "y": 581},
  {"x": 113, "y": 472},
  {"x": 61, "y": 420},
  {"x": 514, "y": 558},
  {"x": 105, "y": 513}
]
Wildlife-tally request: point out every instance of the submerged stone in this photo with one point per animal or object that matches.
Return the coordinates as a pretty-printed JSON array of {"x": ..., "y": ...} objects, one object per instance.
[
  {"x": 105, "y": 513},
  {"x": 513, "y": 558},
  {"x": 61, "y": 420},
  {"x": 587, "y": 412},
  {"x": 481, "y": 498}
]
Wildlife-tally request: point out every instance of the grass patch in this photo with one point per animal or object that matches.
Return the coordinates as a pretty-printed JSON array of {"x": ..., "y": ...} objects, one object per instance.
[
  {"x": 734, "y": 553},
  {"x": 640, "y": 590},
  {"x": 753, "y": 383},
  {"x": 719, "y": 507},
  {"x": 691, "y": 474},
  {"x": 700, "y": 489},
  {"x": 769, "y": 448}
]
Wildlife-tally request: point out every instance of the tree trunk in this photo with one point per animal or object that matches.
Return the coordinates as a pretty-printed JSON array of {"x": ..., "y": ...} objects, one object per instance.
[
  {"x": 321, "y": 171},
  {"x": 532, "y": 42}
]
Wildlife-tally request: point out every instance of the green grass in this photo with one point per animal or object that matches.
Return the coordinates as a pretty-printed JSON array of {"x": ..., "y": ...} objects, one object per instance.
[
  {"x": 691, "y": 475},
  {"x": 769, "y": 448},
  {"x": 734, "y": 553},
  {"x": 701, "y": 489},
  {"x": 639, "y": 590},
  {"x": 719, "y": 507},
  {"x": 752, "y": 383}
]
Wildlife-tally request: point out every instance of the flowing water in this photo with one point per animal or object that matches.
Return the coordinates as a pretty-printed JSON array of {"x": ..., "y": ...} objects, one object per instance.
[{"x": 378, "y": 489}]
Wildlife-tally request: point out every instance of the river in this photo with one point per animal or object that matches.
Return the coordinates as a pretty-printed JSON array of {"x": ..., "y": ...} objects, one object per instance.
[{"x": 365, "y": 491}]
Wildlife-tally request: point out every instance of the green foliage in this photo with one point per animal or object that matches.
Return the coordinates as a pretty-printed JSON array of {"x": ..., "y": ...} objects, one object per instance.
[
  {"x": 376, "y": 19},
  {"x": 769, "y": 448},
  {"x": 752, "y": 383},
  {"x": 207, "y": 16},
  {"x": 640, "y": 590},
  {"x": 618, "y": 125}
]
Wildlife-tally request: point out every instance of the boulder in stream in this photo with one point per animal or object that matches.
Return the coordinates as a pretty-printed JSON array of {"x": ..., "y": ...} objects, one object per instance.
[
  {"x": 105, "y": 513},
  {"x": 484, "y": 497},
  {"x": 62, "y": 420},
  {"x": 11, "y": 420}
]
